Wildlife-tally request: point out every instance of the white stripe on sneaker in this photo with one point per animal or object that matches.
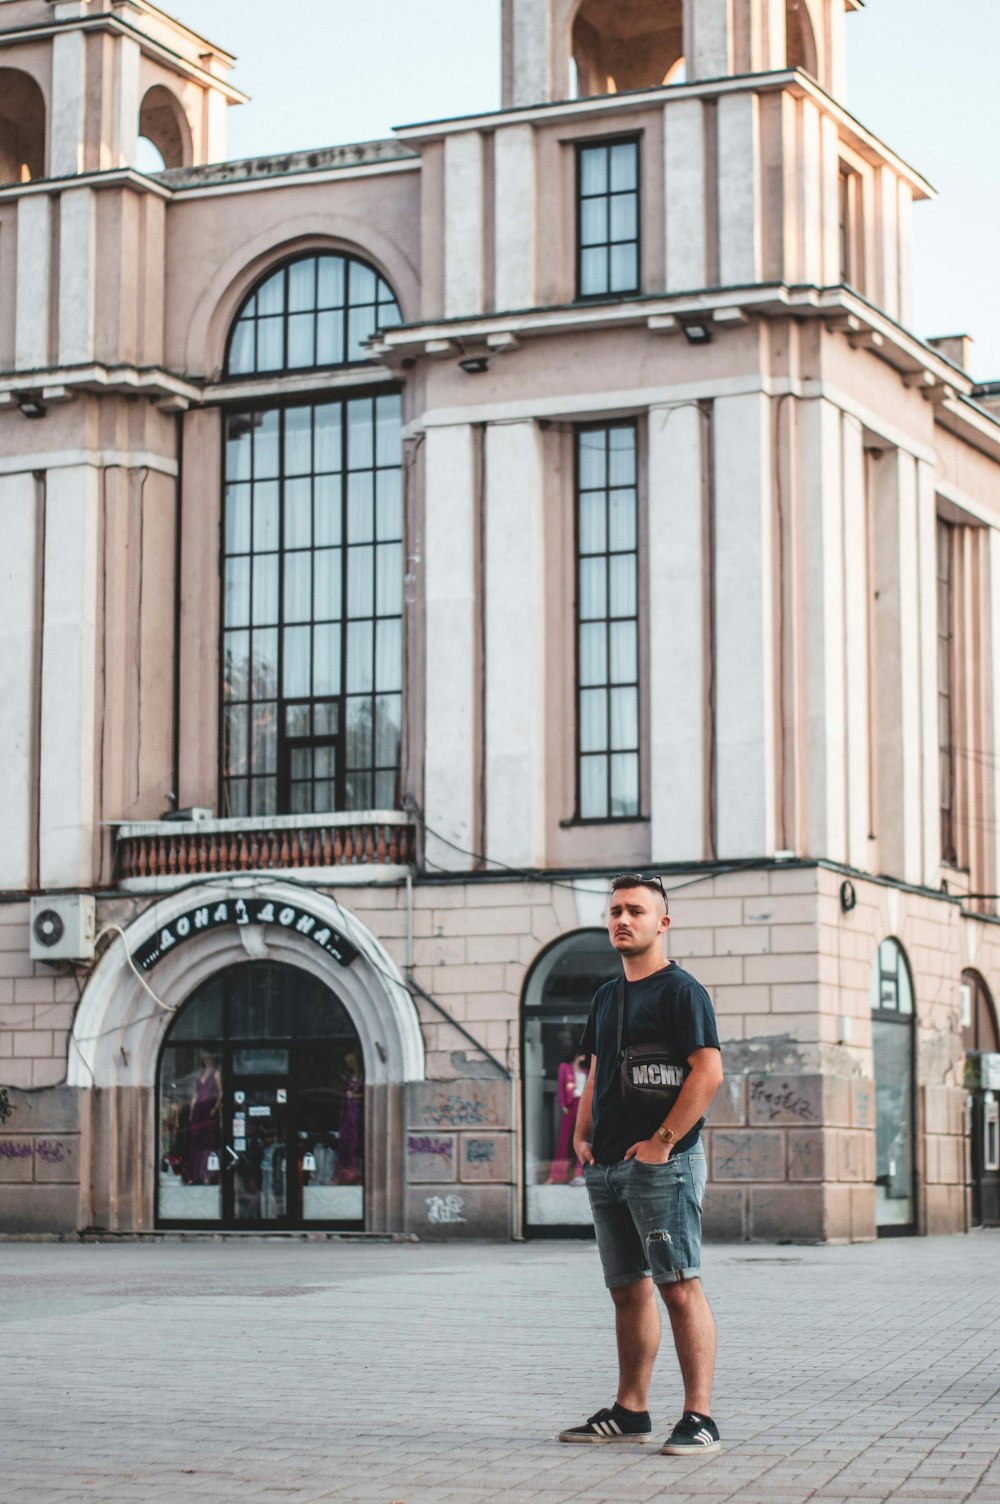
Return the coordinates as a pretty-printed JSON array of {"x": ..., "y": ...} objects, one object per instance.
[{"x": 615, "y": 1426}]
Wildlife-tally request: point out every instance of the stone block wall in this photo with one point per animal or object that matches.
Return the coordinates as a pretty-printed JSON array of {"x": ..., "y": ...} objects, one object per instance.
[
  {"x": 945, "y": 1157},
  {"x": 791, "y": 1156},
  {"x": 37, "y": 1005},
  {"x": 459, "y": 1156},
  {"x": 42, "y": 1150}
]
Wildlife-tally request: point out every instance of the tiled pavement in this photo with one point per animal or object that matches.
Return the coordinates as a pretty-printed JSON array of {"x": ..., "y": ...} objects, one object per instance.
[{"x": 296, "y": 1372}]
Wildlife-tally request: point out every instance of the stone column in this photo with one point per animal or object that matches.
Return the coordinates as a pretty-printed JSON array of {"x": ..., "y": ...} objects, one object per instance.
[
  {"x": 514, "y": 646},
  {"x": 69, "y": 660},
  {"x": 463, "y": 224},
  {"x": 897, "y": 731},
  {"x": 739, "y": 190},
  {"x": 857, "y": 666},
  {"x": 676, "y": 584},
  {"x": 744, "y": 627},
  {"x": 77, "y": 251},
  {"x": 66, "y": 117},
  {"x": 684, "y": 162},
  {"x": 823, "y": 728},
  {"x": 514, "y": 218},
  {"x": 19, "y": 662},
  {"x": 34, "y": 270},
  {"x": 452, "y": 710}
]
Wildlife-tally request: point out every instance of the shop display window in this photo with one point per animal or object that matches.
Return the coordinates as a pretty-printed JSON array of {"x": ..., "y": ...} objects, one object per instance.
[{"x": 261, "y": 1104}]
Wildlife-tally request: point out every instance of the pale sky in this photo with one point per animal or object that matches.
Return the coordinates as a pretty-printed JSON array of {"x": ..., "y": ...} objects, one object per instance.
[{"x": 924, "y": 75}]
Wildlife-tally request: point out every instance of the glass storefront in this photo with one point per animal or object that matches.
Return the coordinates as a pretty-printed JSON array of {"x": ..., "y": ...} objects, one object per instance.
[
  {"x": 557, "y": 1001},
  {"x": 261, "y": 1104}
]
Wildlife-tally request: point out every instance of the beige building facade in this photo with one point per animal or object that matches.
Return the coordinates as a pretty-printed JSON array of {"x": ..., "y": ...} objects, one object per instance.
[{"x": 401, "y": 539}]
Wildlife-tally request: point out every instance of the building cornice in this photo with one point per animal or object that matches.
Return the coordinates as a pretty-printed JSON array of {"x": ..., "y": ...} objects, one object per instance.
[
  {"x": 791, "y": 80},
  {"x": 182, "y": 66}
]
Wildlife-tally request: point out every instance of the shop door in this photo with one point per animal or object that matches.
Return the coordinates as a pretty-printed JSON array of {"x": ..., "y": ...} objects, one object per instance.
[{"x": 258, "y": 1147}]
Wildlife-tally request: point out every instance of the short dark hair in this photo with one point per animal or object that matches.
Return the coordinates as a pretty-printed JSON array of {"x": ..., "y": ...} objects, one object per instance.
[{"x": 641, "y": 880}]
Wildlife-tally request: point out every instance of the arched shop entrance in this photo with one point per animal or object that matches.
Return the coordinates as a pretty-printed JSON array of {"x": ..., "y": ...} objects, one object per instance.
[
  {"x": 261, "y": 1105},
  {"x": 557, "y": 996},
  {"x": 245, "y": 1049},
  {"x": 981, "y": 1038},
  {"x": 892, "y": 1045}
]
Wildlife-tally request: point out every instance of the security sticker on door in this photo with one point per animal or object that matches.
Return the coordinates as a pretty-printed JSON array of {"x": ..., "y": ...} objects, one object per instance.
[
  {"x": 260, "y": 1112},
  {"x": 282, "y": 1096}
]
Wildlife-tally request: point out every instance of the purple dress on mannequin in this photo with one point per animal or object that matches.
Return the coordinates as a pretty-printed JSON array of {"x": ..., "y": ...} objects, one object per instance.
[
  {"x": 569, "y": 1101},
  {"x": 204, "y": 1131},
  {"x": 350, "y": 1145}
]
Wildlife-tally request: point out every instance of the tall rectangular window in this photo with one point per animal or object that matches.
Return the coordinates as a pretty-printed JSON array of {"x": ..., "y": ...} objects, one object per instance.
[
  {"x": 607, "y": 622},
  {"x": 946, "y": 686},
  {"x": 607, "y": 219},
  {"x": 312, "y": 608}
]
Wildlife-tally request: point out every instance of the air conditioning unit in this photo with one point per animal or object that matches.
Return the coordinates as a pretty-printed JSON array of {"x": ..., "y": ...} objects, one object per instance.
[{"x": 63, "y": 927}]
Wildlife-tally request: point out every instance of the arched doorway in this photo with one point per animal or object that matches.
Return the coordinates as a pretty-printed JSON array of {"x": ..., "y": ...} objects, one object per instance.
[
  {"x": 157, "y": 965},
  {"x": 260, "y": 1093},
  {"x": 981, "y": 1038},
  {"x": 557, "y": 996},
  {"x": 892, "y": 1047},
  {"x": 22, "y": 128}
]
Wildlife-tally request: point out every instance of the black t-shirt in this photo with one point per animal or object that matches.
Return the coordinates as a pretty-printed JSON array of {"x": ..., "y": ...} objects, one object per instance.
[{"x": 670, "y": 1009}]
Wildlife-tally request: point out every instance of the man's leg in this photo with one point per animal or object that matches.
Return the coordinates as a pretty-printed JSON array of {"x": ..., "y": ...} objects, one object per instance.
[
  {"x": 693, "y": 1327},
  {"x": 637, "y": 1328}
]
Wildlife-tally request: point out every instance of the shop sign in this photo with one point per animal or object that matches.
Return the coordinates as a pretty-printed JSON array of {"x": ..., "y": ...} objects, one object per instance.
[
  {"x": 241, "y": 911},
  {"x": 989, "y": 1071}
]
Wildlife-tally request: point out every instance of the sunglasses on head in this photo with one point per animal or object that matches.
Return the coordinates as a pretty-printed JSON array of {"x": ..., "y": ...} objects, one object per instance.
[{"x": 639, "y": 880}]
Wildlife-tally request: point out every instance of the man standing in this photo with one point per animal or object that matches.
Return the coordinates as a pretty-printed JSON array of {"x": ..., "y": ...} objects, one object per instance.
[{"x": 655, "y": 1066}]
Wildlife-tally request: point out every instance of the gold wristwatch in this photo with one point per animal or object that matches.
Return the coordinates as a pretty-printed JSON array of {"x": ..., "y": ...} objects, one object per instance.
[{"x": 667, "y": 1134}]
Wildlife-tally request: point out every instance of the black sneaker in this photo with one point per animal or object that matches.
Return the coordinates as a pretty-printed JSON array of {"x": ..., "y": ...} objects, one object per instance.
[
  {"x": 693, "y": 1434},
  {"x": 616, "y": 1424}
]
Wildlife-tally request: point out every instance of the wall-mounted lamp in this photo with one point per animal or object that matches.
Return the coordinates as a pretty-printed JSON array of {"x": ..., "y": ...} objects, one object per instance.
[
  {"x": 475, "y": 364},
  {"x": 30, "y": 405},
  {"x": 698, "y": 332}
]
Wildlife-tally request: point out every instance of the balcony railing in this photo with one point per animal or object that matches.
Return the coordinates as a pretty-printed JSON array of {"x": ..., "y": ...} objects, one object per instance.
[{"x": 364, "y": 845}]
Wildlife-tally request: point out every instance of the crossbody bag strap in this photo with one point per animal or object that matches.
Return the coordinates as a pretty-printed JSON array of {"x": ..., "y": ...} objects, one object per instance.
[{"x": 620, "y": 998}]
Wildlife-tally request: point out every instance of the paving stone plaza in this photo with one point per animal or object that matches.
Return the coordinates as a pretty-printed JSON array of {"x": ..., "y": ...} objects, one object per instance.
[{"x": 304, "y": 1371}]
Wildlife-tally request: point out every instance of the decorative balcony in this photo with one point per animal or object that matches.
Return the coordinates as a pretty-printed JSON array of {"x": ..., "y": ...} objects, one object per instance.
[{"x": 362, "y": 846}]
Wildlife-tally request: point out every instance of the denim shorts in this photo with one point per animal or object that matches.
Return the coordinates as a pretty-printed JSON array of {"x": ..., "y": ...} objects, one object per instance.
[{"x": 648, "y": 1217}]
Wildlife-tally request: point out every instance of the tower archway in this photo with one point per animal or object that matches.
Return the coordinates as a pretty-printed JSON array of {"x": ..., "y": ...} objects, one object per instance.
[
  {"x": 626, "y": 44},
  {"x": 800, "y": 39},
  {"x": 22, "y": 127},
  {"x": 164, "y": 125}
]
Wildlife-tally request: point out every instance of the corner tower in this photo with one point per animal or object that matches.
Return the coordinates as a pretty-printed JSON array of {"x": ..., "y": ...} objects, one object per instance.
[{"x": 564, "y": 49}]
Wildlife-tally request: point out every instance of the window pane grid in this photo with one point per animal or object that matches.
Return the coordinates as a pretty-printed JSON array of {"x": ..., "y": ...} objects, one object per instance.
[
  {"x": 314, "y": 312},
  {"x": 312, "y": 613},
  {"x": 607, "y": 624},
  {"x": 608, "y": 219}
]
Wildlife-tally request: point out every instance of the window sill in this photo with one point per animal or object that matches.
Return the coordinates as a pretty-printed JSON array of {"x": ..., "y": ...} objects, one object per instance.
[{"x": 604, "y": 820}]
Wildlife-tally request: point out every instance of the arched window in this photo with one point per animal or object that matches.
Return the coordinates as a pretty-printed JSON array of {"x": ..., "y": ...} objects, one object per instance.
[
  {"x": 558, "y": 993},
  {"x": 312, "y": 651},
  {"x": 315, "y": 311},
  {"x": 261, "y": 1104},
  {"x": 22, "y": 127},
  {"x": 892, "y": 1046}
]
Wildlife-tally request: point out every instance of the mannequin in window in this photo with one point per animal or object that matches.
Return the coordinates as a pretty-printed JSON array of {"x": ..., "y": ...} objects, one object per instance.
[
  {"x": 206, "y": 1107},
  {"x": 350, "y": 1148},
  {"x": 572, "y": 1079}
]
